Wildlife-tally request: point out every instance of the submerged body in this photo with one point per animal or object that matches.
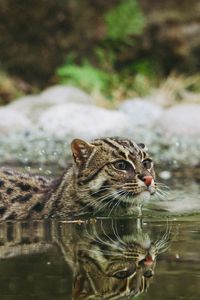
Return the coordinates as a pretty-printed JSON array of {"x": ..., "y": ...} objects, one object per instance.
[{"x": 109, "y": 175}]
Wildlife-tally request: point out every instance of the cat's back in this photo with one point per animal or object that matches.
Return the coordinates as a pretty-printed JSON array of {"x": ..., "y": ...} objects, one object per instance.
[{"x": 19, "y": 192}]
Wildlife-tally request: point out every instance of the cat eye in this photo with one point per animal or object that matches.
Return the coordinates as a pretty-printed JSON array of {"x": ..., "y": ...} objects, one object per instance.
[
  {"x": 124, "y": 273},
  {"x": 123, "y": 165},
  {"x": 148, "y": 274},
  {"x": 147, "y": 163},
  {"x": 141, "y": 145}
]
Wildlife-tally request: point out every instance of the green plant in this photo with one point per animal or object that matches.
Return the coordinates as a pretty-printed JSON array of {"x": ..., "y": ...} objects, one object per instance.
[
  {"x": 111, "y": 85},
  {"x": 86, "y": 76},
  {"x": 124, "y": 20},
  {"x": 112, "y": 75},
  {"x": 145, "y": 67}
]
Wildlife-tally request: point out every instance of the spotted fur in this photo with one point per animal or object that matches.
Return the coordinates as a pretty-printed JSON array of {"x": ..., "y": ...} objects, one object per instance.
[{"x": 107, "y": 177}]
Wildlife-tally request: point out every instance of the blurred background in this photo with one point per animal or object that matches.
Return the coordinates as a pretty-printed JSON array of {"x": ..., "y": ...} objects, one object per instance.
[
  {"x": 118, "y": 48},
  {"x": 131, "y": 64}
]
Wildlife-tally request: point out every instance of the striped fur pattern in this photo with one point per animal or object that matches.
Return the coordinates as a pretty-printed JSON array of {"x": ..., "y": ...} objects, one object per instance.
[{"x": 107, "y": 177}]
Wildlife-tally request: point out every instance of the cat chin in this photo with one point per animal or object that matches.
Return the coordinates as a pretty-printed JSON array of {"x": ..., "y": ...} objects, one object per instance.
[{"x": 138, "y": 199}]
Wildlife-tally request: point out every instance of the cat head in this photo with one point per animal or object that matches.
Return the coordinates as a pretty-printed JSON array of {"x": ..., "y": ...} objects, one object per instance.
[
  {"x": 113, "y": 168},
  {"x": 121, "y": 280}
]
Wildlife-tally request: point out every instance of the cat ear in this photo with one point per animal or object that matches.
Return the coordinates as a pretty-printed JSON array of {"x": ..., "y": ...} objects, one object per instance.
[
  {"x": 78, "y": 286},
  {"x": 81, "y": 151},
  {"x": 143, "y": 146},
  {"x": 81, "y": 288}
]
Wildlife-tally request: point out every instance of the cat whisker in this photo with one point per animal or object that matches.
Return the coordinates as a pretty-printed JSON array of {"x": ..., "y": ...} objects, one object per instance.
[
  {"x": 161, "y": 195},
  {"x": 117, "y": 235},
  {"x": 95, "y": 203},
  {"x": 124, "y": 194},
  {"x": 104, "y": 252},
  {"x": 96, "y": 237},
  {"x": 164, "y": 186},
  {"x": 119, "y": 194},
  {"x": 101, "y": 200},
  {"x": 163, "y": 243},
  {"x": 107, "y": 197},
  {"x": 163, "y": 192}
]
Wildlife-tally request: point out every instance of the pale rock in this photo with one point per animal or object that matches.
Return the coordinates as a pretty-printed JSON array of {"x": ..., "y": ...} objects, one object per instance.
[
  {"x": 12, "y": 121},
  {"x": 141, "y": 112},
  {"x": 34, "y": 105},
  {"x": 84, "y": 121},
  {"x": 181, "y": 120},
  {"x": 60, "y": 94}
]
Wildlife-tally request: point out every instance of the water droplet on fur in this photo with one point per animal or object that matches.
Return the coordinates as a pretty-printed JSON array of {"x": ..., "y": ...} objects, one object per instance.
[{"x": 48, "y": 172}]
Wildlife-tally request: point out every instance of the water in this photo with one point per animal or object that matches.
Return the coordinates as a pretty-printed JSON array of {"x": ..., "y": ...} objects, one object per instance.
[
  {"x": 96, "y": 259},
  {"x": 56, "y": 259}
]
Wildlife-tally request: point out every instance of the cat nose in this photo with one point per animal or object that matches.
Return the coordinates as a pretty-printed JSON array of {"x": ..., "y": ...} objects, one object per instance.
[{"x": 147, "y": 180}]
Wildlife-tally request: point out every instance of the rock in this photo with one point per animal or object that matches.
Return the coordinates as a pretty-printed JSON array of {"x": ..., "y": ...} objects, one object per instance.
[
  {"x": 177, "y": 142},
  {"x": 84, "y": 121},
  {"x": 141, "y": 112},
  {"x": 33, "y": 147},
  {"x": 29, "y": 105},
  {"x": 34, "y": 105},
  {"x": 181, "y": 120},
  {"x": 172, "y": 135},
  {"x": 60, "y": 94},
  {"x": 12, "y": 121}
]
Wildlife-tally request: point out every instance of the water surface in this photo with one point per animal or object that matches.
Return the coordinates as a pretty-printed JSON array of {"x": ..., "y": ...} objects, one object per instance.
[{"x": 97, "y": 259}]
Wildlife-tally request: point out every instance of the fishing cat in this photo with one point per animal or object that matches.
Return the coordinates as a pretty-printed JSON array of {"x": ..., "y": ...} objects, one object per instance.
[{"x": 108, "y": 175}]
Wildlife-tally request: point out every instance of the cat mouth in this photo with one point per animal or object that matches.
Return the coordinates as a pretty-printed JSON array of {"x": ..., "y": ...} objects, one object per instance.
[
  {"x": 135, "y": 197},
  {"x": 150, "y": 189}
]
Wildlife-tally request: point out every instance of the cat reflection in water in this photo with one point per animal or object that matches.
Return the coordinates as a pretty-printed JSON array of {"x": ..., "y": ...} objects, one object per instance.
[
  {"x": 114, "y": 265},
  {"x": 109, "y": 259}
]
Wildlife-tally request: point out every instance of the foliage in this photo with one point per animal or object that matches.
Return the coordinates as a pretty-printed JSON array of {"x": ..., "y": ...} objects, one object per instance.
[
  {"x": 118, "y": 28},
  {"x": 111, "y": 85},
  {"x": 102, "y": 72},
  {"x": 85, "y": 75},
  {"x": 145, "y": 67},
  {"x": 124, "y": 20}
]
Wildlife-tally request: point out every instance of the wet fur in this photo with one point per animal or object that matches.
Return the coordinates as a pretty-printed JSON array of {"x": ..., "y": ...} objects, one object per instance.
[{"x": 91, "y": 185}]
